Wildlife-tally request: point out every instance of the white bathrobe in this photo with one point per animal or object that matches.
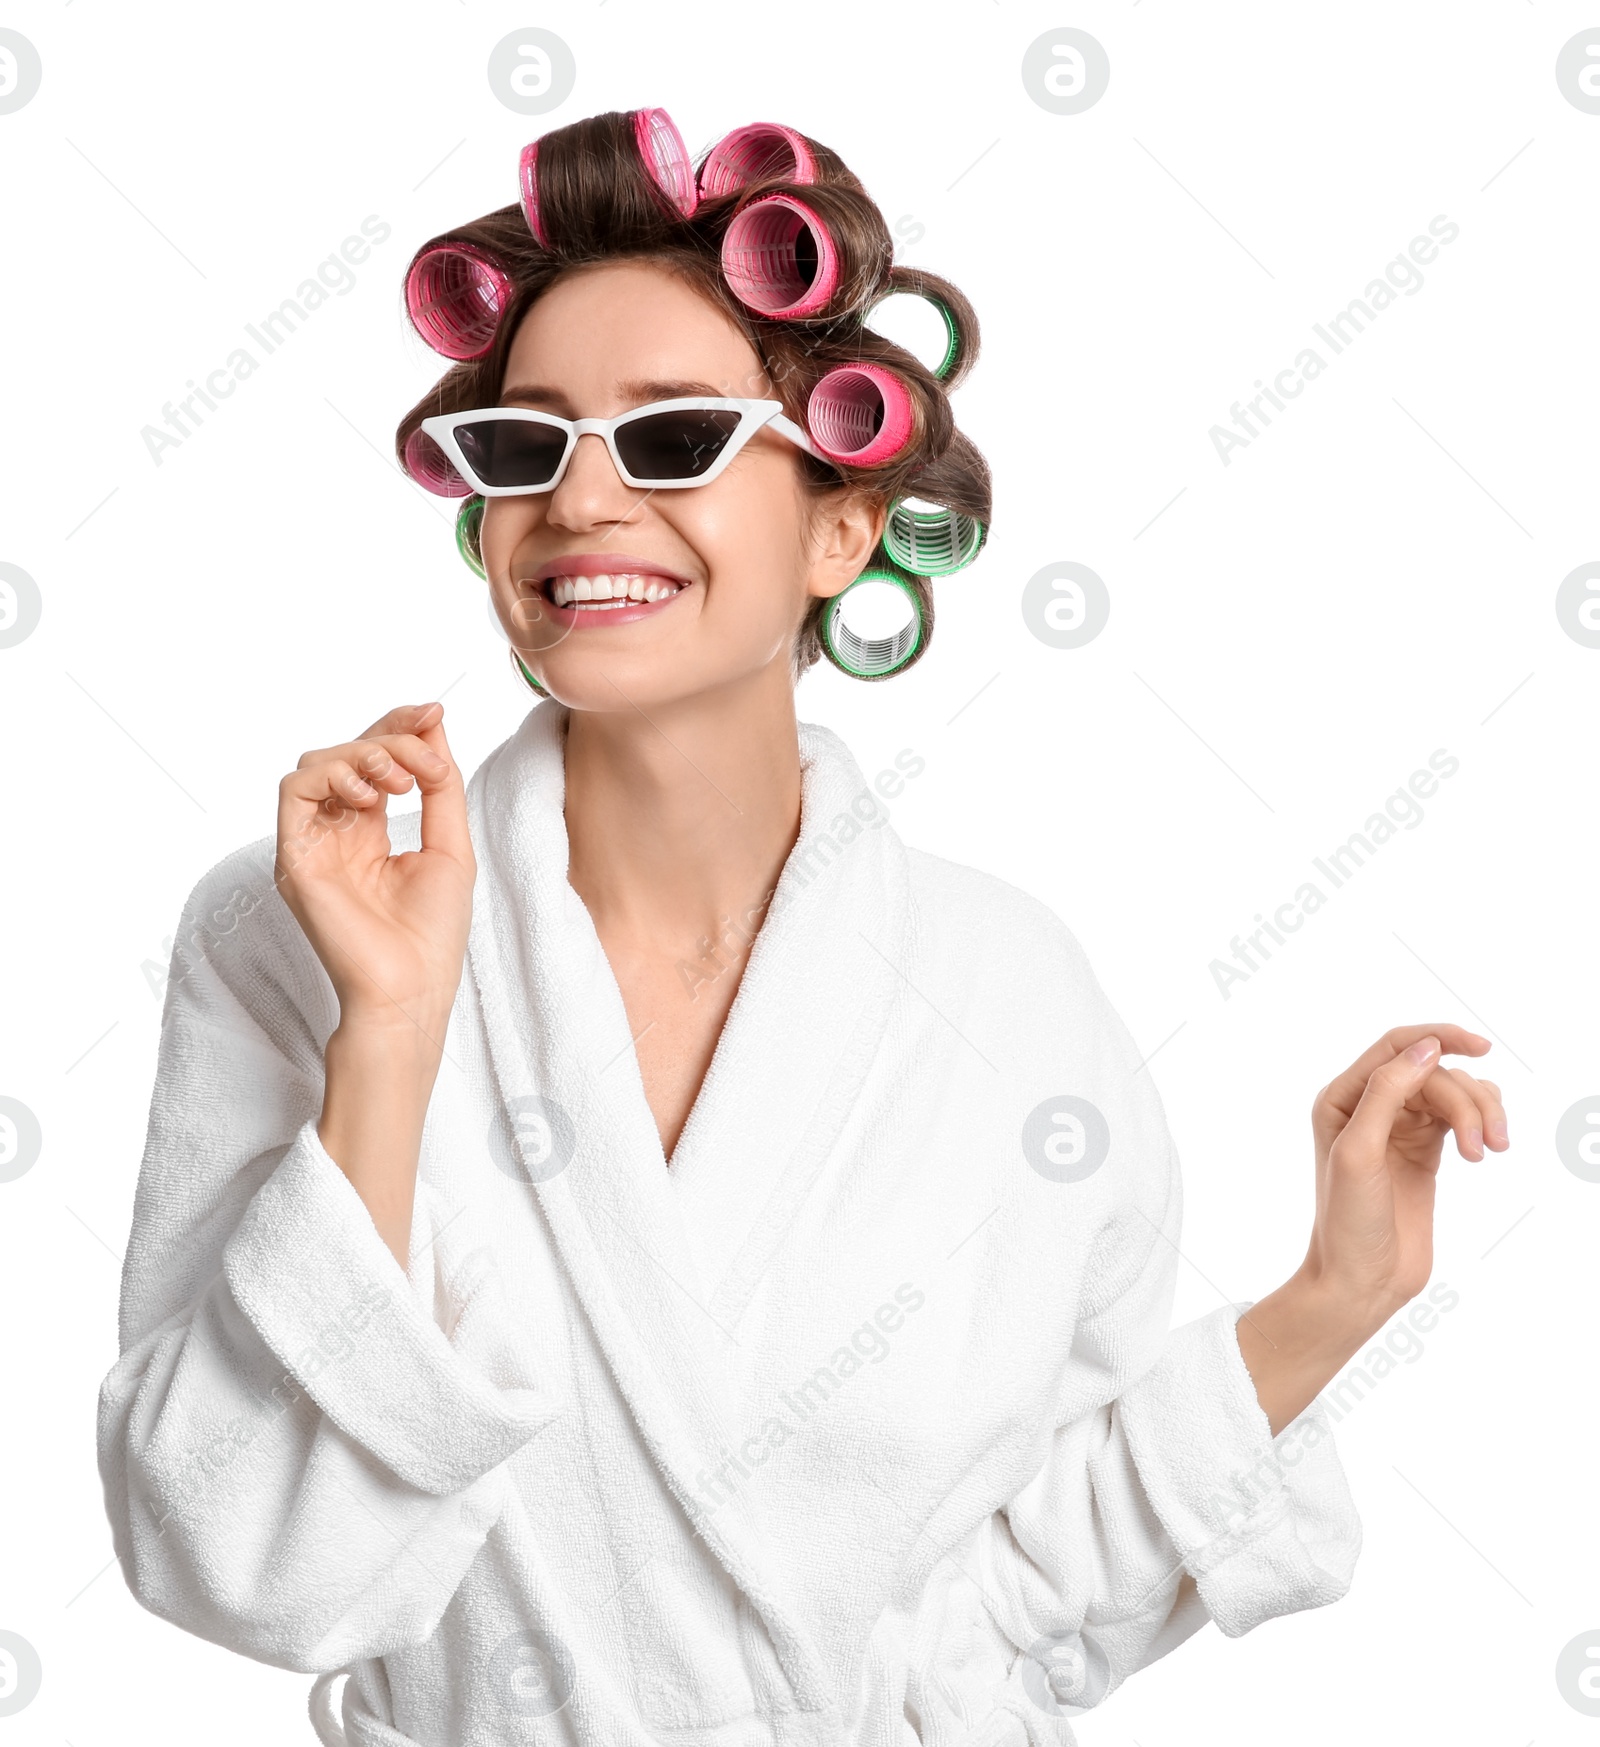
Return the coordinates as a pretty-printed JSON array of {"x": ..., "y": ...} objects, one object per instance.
[{"x": 861, "y": 1424}]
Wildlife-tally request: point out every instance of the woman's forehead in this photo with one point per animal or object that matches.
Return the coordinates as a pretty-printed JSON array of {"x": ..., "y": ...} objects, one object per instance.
[{"x": 625, "y": 331}]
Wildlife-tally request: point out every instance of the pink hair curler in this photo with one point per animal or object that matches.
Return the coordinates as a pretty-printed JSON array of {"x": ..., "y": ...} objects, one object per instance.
[
  {"x": 763, "y": 151},
  {"x": 528, "y": 182},
  {"x": 666, "y": 159},
  {"x": 779, "y": 259},
  {"x": 455, "y": 296},
  {"x": 860, "y": 414},
  {"x": 431, "y": 468}
]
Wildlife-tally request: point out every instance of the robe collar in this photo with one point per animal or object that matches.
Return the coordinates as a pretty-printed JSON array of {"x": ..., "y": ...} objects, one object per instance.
[{"x": 665, "y": 1262}]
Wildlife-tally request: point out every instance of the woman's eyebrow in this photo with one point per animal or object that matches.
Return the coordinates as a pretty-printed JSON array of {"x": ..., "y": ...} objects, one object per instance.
[
  {"x": 533, "y": 394},
  {"x": 642, "y": 391},
  {"x": 638, "y": 392}
]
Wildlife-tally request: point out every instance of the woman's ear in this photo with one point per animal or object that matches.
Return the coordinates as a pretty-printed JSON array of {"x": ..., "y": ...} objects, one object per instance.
[{"x": 846, "y": 530}]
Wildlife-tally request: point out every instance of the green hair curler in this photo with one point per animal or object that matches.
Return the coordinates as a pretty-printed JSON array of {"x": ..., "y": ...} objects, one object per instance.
[
  {"x": 952, "y": 333},
  {"x": 522, "y": 668},
  {"x": 930, "y": 539},
  {"x": 872, "y": 657},
  {"x": 469, "y": 529}
]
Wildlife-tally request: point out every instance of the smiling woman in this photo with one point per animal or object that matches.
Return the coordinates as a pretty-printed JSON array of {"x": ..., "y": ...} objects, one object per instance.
[
  {"x": 674, "y": 289},
  {"x": 490, "y": 1276}
]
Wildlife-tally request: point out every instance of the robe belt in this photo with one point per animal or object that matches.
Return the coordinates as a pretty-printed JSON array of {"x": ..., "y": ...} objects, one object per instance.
[{"x": 366, "y": 1729}]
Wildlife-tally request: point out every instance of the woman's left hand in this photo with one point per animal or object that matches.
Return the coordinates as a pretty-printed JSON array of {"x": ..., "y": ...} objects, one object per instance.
[{"x": 1379, "y": 1128}]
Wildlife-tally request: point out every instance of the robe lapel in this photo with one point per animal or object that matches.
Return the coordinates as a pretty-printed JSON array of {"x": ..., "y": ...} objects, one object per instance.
[
  {"x": 665, "y": 1262},
  {"x": 803, "y": 1031}
]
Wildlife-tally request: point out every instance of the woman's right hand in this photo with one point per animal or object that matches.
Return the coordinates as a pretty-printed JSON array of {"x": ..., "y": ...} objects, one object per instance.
[{"x": 391, "y": 930}]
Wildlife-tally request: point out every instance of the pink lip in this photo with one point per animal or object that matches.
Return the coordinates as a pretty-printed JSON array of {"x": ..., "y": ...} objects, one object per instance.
[{"x": 604, "y": 564}]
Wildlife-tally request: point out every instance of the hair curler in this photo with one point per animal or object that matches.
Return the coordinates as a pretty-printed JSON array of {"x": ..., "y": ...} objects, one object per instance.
[
  {"x": 930, "y": 539},
  {"x": 667, "y": 158},
  {"x": 469, "y": 535},
  {"x": 431, "y": 468},
  {"x": 528, "y": 183},
  {"x": 779, "y": 258},
  {"x": 872, "y": 657},
  {"x": 519, "y": 666},
  {"x": 666, "y": 161},
  {"x": 764, "y": 151},
  {"x": 455, "y": 296},
  {"x": 948, "y": 363},
  {"x": 469, "y": 528},
  {"x": 860, "y": 414},
  {"x": 469, "y": 531}
]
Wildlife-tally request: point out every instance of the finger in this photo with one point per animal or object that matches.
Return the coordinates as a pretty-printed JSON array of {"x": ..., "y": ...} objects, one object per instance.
[
  {"x": 334, "y": 779},
  {"x": 1347, "y": 1088},
  {"x": 374, "y": 761},
  {"x": 1366, "y": 1134},
  {"x": 1444, "y": 1095},
  {"x": 377, "y": 757},
  {"x": 405, "y": 719},
  {"x": 390, "y": 759},
  {"x": 310, "y": 804},
  {"x": 444, "y": 802},
  {"x": 1485, "y": 1096}
]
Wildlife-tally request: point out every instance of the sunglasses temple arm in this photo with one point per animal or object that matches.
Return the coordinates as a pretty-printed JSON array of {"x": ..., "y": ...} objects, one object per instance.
[{"x": 788, "y": 428}]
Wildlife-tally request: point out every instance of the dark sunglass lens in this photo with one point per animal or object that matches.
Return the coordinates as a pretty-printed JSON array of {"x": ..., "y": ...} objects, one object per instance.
[
  {"x": 675, "y": 445},
  {"x": 511, "y": 452}
]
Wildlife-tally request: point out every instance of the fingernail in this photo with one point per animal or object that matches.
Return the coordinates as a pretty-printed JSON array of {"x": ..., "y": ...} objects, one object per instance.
[
  {"x": 1475, "y": 1142},
  {"x": 1422, "y": 1049},
  {"x": 1497, "y": 1133}
]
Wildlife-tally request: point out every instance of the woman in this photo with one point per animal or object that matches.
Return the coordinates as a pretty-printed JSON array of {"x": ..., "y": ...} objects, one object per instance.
[{"x": 644, "y": 1251}]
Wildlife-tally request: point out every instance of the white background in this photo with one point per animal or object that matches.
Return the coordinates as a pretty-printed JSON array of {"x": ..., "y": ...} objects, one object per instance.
[{"x": 1291, "y": 635}]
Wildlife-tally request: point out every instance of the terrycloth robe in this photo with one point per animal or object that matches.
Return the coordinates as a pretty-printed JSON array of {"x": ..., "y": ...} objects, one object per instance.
[{"x": 859, "y": 1423}]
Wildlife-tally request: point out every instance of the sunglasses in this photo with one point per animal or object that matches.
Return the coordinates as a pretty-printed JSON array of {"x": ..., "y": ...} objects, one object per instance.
[{"x": 665, "y": 446}]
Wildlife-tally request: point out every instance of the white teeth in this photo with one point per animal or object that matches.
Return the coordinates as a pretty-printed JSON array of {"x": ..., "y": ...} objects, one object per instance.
[{"x": 610, "y": 590}]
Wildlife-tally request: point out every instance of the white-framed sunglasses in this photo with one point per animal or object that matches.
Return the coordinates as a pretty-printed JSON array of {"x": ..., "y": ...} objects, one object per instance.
[{"x": 667, "y": 445}]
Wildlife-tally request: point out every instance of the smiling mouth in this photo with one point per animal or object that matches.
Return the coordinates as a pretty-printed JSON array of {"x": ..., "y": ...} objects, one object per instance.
[{"x": 600, "y": 593}]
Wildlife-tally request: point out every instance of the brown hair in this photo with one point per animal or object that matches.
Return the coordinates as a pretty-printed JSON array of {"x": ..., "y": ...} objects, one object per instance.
[{"x": 597, "y": 202}]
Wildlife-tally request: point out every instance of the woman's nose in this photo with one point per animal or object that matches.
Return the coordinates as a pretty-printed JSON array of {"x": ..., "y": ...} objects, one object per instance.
[{"x": 591, "y": 488}]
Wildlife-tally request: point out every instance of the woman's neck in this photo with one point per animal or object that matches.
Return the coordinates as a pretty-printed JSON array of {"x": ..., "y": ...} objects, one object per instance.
[{"x": 682, "y": 818}]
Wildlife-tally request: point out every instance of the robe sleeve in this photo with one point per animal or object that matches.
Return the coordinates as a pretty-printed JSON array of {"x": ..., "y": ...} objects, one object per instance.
[
  {"x": 298, "y": 1463},
  {"x": 1164, "y": 1500},
  {"x": 1170, "y": 1505}
]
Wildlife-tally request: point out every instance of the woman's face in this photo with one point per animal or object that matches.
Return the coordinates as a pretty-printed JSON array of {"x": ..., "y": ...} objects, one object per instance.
[{"x": 748, "y": 551}]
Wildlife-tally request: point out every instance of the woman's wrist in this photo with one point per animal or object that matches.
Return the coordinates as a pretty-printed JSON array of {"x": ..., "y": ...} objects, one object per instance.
[
  {"x": 379, "y": 1079},
  {"x": 398, "y": 1053},
  {"x": 1296, "y": 1340},
  {"x": 367, "y": 1019}
]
